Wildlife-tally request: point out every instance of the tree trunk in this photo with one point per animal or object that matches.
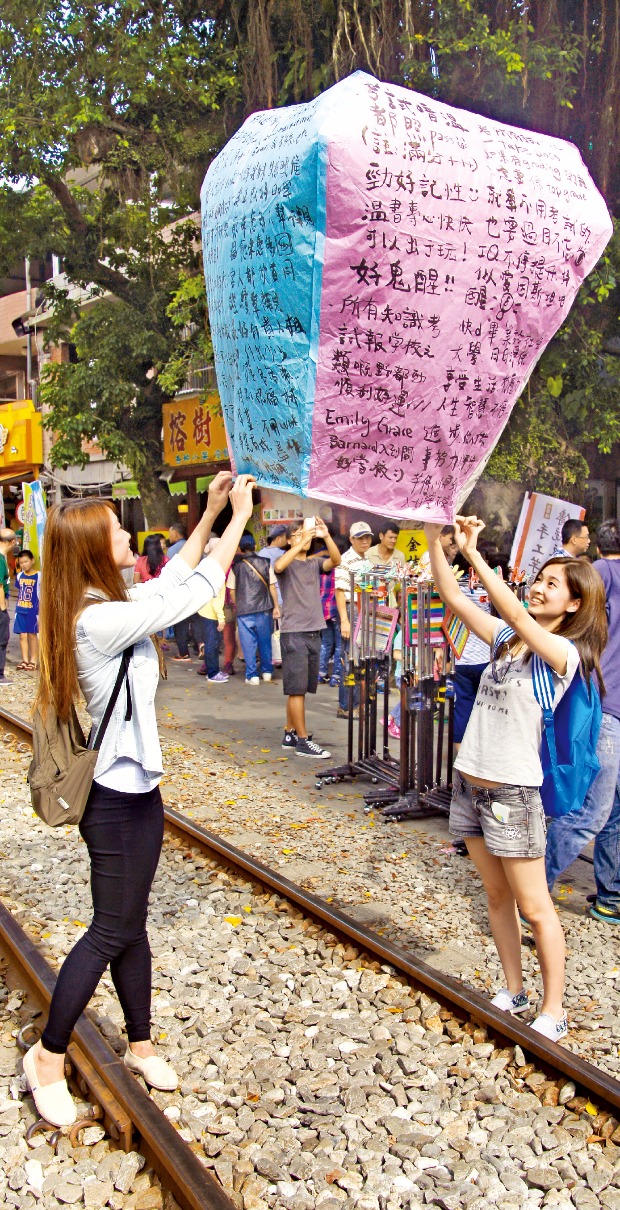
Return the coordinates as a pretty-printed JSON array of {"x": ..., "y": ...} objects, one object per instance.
[
  {"x": 159, "y": 507},
  {"x": 145, "y": 430}
]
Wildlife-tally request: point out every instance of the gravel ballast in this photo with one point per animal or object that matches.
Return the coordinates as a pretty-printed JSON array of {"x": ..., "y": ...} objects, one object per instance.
[{"x": 309, "y": 1075}]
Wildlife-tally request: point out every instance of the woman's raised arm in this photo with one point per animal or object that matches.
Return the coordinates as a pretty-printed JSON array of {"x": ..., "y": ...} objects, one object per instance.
[
  {"x": 474, "y": 618},
  {"x": 544, "y": 642}
]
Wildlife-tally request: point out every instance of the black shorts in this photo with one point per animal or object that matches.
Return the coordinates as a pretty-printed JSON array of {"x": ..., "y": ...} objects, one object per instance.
[{"x": 301, "y": 653}]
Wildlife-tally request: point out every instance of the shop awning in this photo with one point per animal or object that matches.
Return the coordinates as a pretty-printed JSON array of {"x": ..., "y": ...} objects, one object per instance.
[
  {"x": 17, "y": 477},
  {"x": 127, "y": 490},
  {"x": 180, "y": 489}
]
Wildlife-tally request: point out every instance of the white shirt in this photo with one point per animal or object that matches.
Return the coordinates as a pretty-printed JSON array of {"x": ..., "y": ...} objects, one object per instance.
[
  {"x": 350, "y": 561},
  {"x": 504, "y": 733},
  {"x": 476, "y": 651},
  {"x": 103, "y": 631}
]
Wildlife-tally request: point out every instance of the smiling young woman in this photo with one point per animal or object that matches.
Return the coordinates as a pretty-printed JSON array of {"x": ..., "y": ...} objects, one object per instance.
[{"x": 496, "y": 805}]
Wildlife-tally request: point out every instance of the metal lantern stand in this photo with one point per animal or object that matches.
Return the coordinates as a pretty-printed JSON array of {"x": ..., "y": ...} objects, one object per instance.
[
  {"x": 418, "y": 785},
  {"x": 369, "y": 666},
  {"x": 427, "y": 711}
]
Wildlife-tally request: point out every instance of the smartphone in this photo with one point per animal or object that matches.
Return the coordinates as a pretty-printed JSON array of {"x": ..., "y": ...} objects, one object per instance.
[{"x": 309, "y": 523}]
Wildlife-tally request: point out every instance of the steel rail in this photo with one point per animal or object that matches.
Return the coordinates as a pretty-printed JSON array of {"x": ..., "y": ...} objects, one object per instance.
[
  {"x": 450, "y": 992},
  {"x": 174, "y": 1162}
]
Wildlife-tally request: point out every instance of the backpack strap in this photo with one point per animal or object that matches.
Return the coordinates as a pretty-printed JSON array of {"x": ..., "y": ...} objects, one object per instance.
[
  {"x": 256, "y": 571},
  {"x": 122, "y": 675},
  {"x": 504, "y": 635},
  {"x": 544, "y": 692}
]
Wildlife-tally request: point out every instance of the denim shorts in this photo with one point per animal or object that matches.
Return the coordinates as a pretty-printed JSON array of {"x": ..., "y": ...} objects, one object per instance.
[{"x": 511, "y": 819}]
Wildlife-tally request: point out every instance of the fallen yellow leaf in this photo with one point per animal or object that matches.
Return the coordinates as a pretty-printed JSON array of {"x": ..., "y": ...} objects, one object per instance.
[{"x": 235, "y": 921}]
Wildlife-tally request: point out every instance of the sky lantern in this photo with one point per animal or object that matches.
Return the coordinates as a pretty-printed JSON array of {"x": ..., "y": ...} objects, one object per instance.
[{"x": 383, "y": 273}]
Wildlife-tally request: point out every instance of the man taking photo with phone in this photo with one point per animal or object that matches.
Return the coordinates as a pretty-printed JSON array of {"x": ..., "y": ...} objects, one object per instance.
[{"x": 299, "y": 580}]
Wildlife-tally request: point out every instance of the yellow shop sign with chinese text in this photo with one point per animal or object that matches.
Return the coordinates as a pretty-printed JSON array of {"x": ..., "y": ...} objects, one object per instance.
[{"x": 194, "y": 431}]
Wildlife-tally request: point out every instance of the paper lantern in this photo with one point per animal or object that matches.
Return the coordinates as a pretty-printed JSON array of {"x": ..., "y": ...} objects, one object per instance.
[{"x": 383, "y": 273}]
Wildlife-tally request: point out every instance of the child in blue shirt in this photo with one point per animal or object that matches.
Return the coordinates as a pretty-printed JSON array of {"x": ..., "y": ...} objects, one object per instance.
[{"x": 26, "y": 623}]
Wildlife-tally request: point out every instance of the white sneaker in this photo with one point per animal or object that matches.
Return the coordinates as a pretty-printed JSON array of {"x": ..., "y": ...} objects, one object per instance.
[
  {"x": 252, "y": 680},
  {"x": 509, "y": 1003},
  {"x": 547, "y": 1025},
  {"x": 267, "y": 676}
]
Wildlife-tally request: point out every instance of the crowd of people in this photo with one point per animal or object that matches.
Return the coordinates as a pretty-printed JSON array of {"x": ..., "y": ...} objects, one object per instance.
[{"x": 103, "y": 606}]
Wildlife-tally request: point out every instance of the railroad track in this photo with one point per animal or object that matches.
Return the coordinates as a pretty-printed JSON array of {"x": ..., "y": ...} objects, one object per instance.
[{"x": 102, "y": 1072}]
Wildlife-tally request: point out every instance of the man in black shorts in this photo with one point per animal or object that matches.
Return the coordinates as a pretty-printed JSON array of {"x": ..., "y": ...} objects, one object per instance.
[{"x": 302, "y": 621}]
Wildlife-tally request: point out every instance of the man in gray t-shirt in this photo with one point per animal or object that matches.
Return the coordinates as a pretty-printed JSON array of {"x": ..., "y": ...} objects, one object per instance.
[{"x": 299, "y": 579}]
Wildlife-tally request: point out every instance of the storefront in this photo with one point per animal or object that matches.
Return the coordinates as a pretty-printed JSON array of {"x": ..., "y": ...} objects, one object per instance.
[
  {"x": 195, "y": 447},
  {"x": 21, "y": 453}
]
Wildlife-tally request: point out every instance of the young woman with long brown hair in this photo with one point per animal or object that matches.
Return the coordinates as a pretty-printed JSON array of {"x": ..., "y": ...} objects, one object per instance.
[
  {"x": 88, "y": 619},
  {"x": 496, "y": 806}
]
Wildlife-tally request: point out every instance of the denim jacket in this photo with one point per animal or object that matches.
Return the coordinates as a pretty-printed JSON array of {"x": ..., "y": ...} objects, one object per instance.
[{"x": 104, "y": 630}]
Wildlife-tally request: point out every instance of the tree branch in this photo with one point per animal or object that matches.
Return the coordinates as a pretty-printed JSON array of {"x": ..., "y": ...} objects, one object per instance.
[
  {"x": 100, "y": 274},
  {"x": 65, "y": 198}
]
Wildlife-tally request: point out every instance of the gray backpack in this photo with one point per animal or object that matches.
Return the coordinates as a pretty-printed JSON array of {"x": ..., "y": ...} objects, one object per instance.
[{"x": 62, "y": 768}]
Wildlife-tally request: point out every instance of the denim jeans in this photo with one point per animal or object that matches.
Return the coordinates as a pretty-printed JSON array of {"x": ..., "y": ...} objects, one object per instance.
[
  {"x": 331, "y": 643},
  {"x": 211, "y": 639},
  {"x": 599, "y": 817},
  {"x": 395, "y": 713},
  {"x": 255, "y": 630}
]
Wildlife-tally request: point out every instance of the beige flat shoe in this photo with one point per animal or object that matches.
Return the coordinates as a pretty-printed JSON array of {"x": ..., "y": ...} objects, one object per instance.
[
  {"x": 155, "y": 1071},
  {"x": 53, "y": 1101}
]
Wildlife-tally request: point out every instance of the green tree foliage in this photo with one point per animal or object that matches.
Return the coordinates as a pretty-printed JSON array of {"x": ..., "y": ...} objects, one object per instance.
[
  {"x": 108, "y": 115},
  {"x": 553, "y": 65}
]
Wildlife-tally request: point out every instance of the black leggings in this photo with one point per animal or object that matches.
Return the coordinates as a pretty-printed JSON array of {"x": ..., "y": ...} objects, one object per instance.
[{"x": 123, "y": 833}]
